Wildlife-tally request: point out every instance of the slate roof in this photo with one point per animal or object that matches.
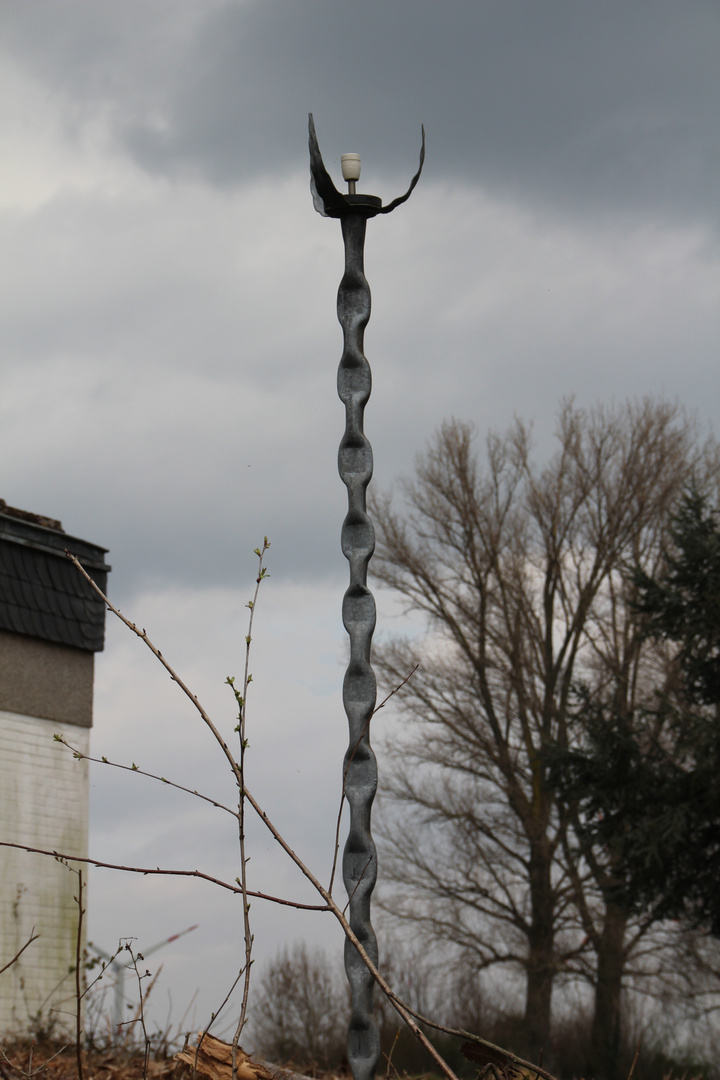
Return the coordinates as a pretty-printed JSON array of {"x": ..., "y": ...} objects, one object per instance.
[{"x": 41, "y": 593}]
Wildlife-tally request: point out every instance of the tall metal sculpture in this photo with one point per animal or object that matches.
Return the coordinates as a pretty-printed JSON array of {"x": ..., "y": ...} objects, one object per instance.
[{"x": 355, "y": 464}]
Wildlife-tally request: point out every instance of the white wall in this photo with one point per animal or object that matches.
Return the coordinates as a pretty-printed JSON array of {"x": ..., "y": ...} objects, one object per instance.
[{"x": 43, "y": 803}]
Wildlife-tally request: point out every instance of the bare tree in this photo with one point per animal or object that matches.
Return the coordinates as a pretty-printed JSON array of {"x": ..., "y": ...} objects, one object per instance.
[
  {"x": 518, "y": 571},
  {"x": 301, "y": 1011}
]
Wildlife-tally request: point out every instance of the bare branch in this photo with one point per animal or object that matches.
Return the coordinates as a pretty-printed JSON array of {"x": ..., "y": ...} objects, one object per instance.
[
  {"x": 403, "y": 1011},
  {"x": 80, "y": 756},
  {"x": 149, "y": 871},
  {"x": 171, "y": 672},
  {"x": 18, "y": 954},
  {"x": 377, "y": 708}
]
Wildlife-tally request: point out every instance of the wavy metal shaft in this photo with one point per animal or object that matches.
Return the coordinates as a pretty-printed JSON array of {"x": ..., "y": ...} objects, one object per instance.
[{"x": 355, "y": 464}]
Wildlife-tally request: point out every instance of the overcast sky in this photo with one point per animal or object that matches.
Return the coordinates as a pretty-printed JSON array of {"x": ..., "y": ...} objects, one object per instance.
[{"x": 170, "y": 344}]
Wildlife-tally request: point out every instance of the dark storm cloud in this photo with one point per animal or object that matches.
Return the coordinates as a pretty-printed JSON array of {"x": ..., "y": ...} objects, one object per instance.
[
  {"x": 148, "y": 311},
  {"x": 584, "y": 106}
]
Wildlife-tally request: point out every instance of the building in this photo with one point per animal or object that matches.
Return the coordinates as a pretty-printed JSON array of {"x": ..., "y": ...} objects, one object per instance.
[{"x": 51, "y": 626}]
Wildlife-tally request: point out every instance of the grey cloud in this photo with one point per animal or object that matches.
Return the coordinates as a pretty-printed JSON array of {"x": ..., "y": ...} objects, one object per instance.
[
  {"x": 178, "y": 432},
  {"x": 173, "y": 347},
  {"x": 578, "y": 107}
]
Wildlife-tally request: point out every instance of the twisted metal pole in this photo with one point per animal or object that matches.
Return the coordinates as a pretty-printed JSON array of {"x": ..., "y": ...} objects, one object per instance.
[{"x": 355, "y": 464}]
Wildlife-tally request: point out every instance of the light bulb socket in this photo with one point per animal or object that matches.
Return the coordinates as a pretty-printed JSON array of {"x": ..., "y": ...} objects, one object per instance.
[{"x": 350, "y": 164}]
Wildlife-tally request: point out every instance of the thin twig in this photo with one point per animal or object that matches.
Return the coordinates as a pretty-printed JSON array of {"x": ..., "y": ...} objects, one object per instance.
[
  {"x": 16, "y": 957},
  {"x": 225, "y": 1000},
  {"x": 388, "y": 1057},
  {"x": 171, "y": 672},
  {"x": 28, "y": 1073},
  {"x": 105, "y": 965},
  {"x": 470, "y": 1036},
  {"x": 148, "y": 870},
  {"x": 351, "y": 896},
  {"x": 80, "y": 756},
  {"x": 247, "y": 678},
  {"x": 78, "y": 957},
  {"x": 634, "y": 1060},
  {"x": 377, "y": 709},
  {"x": 336, "y": 850},
  {"x": 397, "y": 690},
  {"x": 140, "y": 1011}
]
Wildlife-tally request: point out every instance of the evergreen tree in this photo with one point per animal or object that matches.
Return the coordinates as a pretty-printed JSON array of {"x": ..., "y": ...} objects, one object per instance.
[{"x": 648, "y": 793}]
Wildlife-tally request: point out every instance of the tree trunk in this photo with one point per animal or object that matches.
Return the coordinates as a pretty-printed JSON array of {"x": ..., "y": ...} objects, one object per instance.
[
  {"x": 541, "y": 959},
  {"x": 605, "y": 1034}
]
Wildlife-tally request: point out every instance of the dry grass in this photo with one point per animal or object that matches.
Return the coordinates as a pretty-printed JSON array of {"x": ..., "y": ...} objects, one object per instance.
[{"x": 27, "y": 1059}]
